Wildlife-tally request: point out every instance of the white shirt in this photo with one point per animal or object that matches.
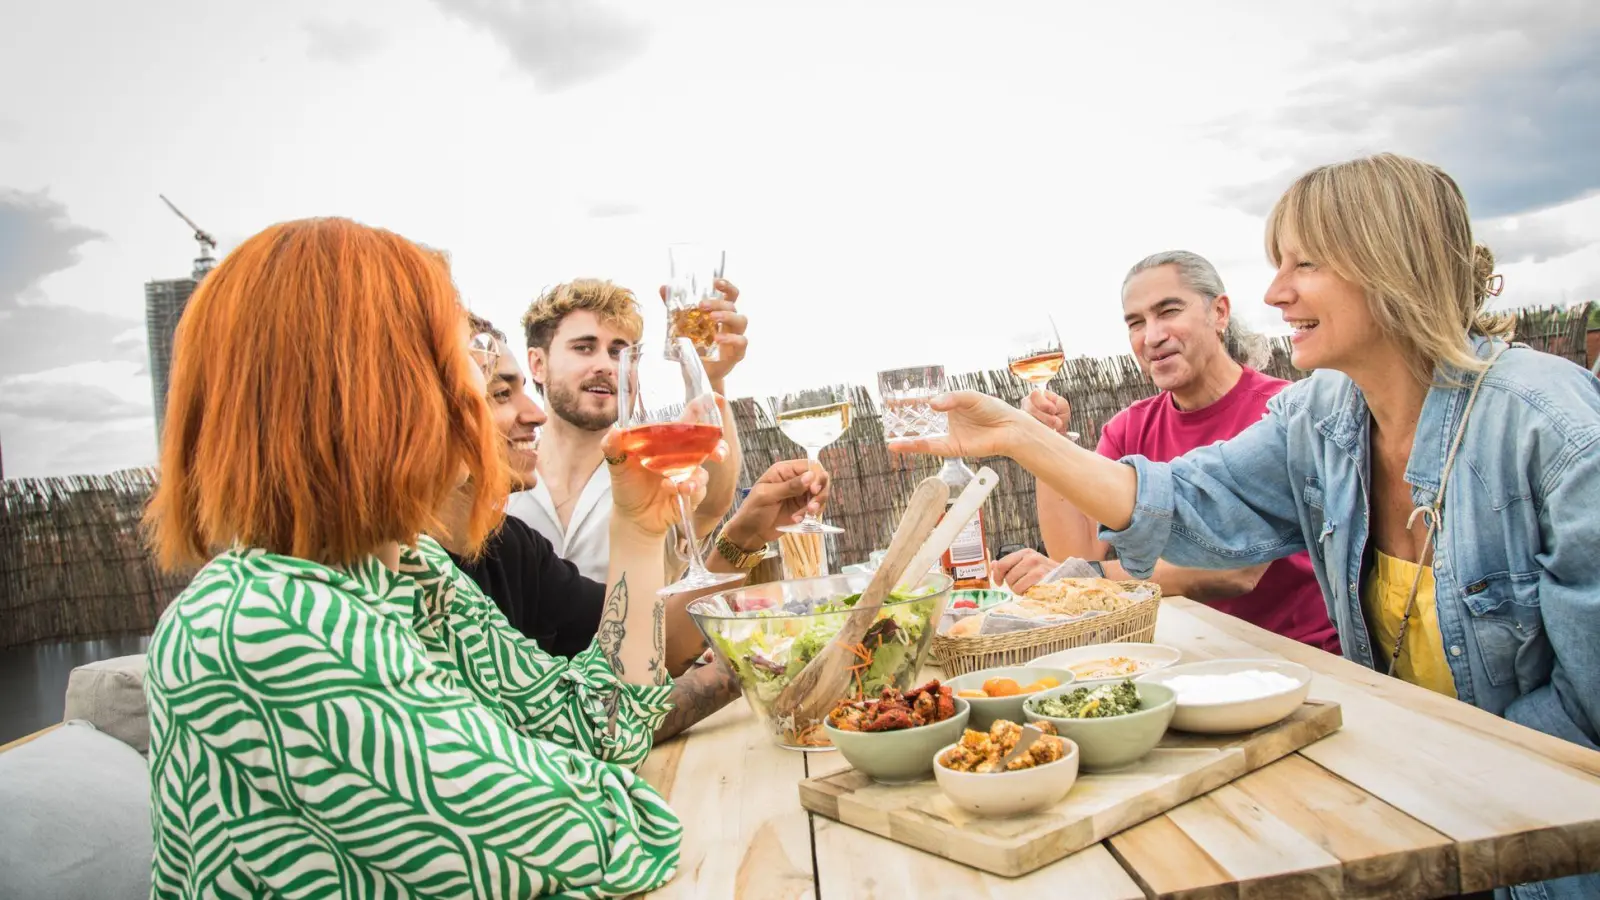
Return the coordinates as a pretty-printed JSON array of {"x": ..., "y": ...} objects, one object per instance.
[{"x": 586, "y": 542}]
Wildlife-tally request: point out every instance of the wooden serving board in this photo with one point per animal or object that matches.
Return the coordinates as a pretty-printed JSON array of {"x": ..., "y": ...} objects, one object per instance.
[{"x": 1183, "y": 767}]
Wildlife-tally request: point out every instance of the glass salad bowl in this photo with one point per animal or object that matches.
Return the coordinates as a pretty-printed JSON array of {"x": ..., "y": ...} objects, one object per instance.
[{"x": 767, "y": 633}]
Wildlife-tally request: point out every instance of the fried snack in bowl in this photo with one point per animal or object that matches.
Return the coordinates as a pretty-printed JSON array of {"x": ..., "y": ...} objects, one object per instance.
[
  {"x": 892, "y": 739},
  {"x": 969, "y": 775}
]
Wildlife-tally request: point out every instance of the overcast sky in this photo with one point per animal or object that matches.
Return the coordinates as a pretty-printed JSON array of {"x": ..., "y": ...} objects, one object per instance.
[{"x": 893, "y": 182}]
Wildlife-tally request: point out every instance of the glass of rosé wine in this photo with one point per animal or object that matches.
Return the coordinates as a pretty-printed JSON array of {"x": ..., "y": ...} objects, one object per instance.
[
  {"x": 1036, "y": 353},
  {"x": 670, "y": 422}
]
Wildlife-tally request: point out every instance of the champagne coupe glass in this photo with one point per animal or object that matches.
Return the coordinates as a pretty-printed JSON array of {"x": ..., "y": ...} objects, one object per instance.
[
  {"x": 670, "y": 421},
  {"x": 1035, "y": 352},
  {"x": 814, "y": 419}
]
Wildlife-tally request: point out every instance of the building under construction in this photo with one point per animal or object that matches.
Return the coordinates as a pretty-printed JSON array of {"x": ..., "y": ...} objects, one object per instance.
[{"x": 164, "y": 302}]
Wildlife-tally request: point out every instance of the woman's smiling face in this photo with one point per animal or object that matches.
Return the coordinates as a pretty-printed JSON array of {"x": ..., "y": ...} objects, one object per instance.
[{"x": 1333, "y": 325}]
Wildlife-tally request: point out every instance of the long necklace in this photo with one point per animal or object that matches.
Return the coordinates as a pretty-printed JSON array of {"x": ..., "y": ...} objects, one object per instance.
[{"x": 1432, "y": 516}]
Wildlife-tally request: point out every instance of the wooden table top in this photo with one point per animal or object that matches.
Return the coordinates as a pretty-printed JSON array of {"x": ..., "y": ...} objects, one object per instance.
[{"x": 1418, "y": 795}]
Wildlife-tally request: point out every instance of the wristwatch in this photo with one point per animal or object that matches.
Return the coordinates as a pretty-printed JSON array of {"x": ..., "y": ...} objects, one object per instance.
[{"x": 737, "y": 556}]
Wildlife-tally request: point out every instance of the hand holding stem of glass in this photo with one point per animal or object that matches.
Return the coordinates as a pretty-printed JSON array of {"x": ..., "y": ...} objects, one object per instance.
[
  {"x": 814, "y": 419},
  {"x": 670, "y": 423}
]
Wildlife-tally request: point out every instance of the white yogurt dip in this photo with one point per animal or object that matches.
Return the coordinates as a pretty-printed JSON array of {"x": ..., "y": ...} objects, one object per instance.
[{"x": 1246, "y": 685}]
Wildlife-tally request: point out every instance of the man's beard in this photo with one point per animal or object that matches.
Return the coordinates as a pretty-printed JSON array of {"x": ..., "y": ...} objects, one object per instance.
[{"x": 565, "y": 403}]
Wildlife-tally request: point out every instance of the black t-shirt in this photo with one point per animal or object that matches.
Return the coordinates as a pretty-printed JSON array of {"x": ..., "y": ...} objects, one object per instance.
[{"x": 543, "y": 595}]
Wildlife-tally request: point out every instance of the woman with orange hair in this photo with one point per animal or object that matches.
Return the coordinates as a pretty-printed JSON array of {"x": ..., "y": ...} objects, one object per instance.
[{"x": 335, "y": 709}]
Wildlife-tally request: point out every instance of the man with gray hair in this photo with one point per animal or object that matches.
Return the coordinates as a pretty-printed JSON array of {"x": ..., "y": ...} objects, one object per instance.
[{"x": 1204, "y": 361}]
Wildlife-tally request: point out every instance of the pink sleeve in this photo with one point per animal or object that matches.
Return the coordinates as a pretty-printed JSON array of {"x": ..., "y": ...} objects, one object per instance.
[{"x": 1111, "y": 437}]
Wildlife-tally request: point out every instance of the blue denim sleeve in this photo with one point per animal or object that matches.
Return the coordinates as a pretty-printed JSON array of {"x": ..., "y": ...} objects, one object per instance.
[
  {"x": 1569, "y": 602},
  {"x": 1224, "y": 506}
]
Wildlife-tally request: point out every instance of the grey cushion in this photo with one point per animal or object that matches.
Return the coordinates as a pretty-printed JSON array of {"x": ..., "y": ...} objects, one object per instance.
[
  {"x": 109, "y": 694},
  {"x": 75, "y": 818}
]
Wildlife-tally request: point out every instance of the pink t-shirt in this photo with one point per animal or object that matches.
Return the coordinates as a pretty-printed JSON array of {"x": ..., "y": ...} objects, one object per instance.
[{"x": 1287, "y": 600}]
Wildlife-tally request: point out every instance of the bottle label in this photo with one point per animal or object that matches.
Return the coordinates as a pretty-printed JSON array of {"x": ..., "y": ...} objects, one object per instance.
[
  {"x": 968, "y": 545},
  {"x": 966, "y": 557}
]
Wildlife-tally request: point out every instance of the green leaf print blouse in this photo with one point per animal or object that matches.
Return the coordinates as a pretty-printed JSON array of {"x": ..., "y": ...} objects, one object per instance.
[{"x": 323, "y": 731}]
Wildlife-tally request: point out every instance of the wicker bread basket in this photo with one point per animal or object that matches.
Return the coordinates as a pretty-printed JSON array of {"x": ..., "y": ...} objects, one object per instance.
[{"x": 1137, "y": 623}]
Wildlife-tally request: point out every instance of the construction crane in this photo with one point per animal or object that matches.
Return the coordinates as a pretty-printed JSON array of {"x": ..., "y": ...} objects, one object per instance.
[{"x": 204, "y": 262}]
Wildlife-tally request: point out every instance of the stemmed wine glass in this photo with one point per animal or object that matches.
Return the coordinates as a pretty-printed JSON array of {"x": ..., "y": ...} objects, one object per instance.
[
  {"x": 814, "y": 419},
  {"x": 669, "y": 420},
  {"x": 1035, "y": 352}
]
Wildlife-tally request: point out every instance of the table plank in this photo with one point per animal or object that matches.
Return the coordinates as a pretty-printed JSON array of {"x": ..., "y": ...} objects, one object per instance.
[
  {"x": 744, "y": 833},
  {"x": 1290, "y": 829},
  {"x": 1514, "y": 813}
]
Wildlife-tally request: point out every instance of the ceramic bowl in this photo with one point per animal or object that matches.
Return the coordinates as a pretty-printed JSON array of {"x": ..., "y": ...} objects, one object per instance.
[
  {"x": 999, "y": 794},
  {"x": 1115, "y": 741},
  {"x": 1234, "y": 716},
  {"x": 1151, "y": 656},
  {"x": 988, "y": 710},
  {"x": 899, "y": 757}
]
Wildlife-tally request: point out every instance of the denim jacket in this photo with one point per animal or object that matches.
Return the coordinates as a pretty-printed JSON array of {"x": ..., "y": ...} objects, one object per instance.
[{"x": 1517, "y": 560}]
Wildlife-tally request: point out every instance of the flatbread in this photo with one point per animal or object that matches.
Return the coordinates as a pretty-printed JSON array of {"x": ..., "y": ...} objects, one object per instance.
[{"x": 1076, "y": 596}]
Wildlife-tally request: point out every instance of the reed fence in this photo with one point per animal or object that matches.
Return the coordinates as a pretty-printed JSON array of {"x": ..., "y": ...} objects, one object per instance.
[
  {"x": 72, "y": 563},
  {"x": 73, "y": 567}
]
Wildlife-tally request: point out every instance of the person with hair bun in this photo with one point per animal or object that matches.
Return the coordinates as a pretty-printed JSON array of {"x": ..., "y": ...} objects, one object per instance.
[
  {"x": 1445, "y": 482},
  {"x": 335, "y": 709}
]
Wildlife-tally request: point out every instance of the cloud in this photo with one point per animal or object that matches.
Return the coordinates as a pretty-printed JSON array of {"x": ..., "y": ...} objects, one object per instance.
[
  {"x": 39, "y": 336},
  {"x": 605, "y": 209},
  {"x": 10, "y": 130},
  {"x": 560, "y": 43},
  {"x": 68, "y": 401},
  {"x": 340, "y": 42},
  {"x": 39, "y": 449},
  {"x": 1528, "y": 239},
  {"x": 36, "y": 239},
  {"x": 1505, "y": 97}
]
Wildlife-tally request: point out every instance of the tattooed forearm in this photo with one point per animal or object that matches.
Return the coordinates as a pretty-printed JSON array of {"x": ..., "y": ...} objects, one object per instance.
[
  {"x": 613, "y": 629},
  {"x": 695, "y": 695},
  {"x": 658, "y": 639}
]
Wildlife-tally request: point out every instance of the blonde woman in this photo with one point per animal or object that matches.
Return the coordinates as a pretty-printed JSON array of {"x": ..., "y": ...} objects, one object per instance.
[{"x": 1446, "y": 484}]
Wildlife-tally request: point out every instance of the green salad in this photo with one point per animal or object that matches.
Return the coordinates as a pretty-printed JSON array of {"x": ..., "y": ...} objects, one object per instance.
[
  {"x": 770, "y": 648},
  {"x": 1098, "y": 702}
]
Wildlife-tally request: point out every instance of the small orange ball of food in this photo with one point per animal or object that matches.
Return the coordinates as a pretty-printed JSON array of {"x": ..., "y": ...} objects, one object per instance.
[
  {"x": 1048, "y": 682},
  {"x": 970, "y": 693},
  {"x": 1001, "y": 687}
]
